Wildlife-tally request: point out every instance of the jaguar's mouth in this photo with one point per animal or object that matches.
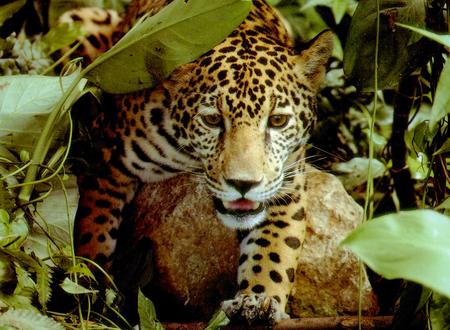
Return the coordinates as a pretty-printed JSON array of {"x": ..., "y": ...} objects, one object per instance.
[
  {"x": 239, "y": 207},
  {"x": 241, "y": 213}
]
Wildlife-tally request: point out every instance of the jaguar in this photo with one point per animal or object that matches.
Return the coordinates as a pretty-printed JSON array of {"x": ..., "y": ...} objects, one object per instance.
[{"x": 239, "y": 116}]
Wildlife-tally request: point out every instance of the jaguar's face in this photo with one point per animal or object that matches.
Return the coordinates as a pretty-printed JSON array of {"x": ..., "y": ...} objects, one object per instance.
[
  {"x": 245, "y": 119},
  {"x": 244, "y": 146}
]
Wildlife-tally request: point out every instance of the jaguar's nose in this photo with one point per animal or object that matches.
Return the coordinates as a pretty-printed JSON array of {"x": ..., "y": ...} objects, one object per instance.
[{"x": 242, "y": 186}]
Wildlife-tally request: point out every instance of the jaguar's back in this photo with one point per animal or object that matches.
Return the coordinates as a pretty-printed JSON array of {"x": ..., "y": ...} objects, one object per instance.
[{"x": 239, "y": 116}]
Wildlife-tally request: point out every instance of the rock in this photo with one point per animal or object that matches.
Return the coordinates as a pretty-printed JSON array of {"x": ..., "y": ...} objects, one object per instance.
[
  {"x": 196, "y": 257},
  {"x": 327, "y": 276}
]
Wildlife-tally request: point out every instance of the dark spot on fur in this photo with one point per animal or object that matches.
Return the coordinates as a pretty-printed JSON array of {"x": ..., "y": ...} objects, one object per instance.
[
  {"x": 275, "y": 257},
  {"x": 85, "y": 238},
  {"x": 299, "y": 215},
  {"x": 258, "y": 288},
  {"x": 256, "y": 269},
  {"x": 243, "y": 259},
  {"x": 281, "y": 224},
  {"x": 292, "y": 242},
  {"x": 101, "y": 219},
  {"x": 243, "y": 285},
  {"x": 94, "y": 41},
  {"x": 262, "y": 242},
  {"x": 290, "y": 272},
  {"x": 275, "y": 276},
  {"x": 103, "y": 203}
]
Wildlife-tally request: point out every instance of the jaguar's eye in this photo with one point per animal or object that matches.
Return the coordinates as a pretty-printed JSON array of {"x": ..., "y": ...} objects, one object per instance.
[
  {"x": 213, "y": 120},
  {"x": 278, "y": 121}
]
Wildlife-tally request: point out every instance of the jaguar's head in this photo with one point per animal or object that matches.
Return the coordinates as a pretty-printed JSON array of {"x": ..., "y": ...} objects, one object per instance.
[{"x": 245, "y": 109}]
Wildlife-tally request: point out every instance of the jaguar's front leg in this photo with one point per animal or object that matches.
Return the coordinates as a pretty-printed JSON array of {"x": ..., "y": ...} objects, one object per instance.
[
  {"x": 102, "y": 199},
  {"x": 268, "y": 262}
]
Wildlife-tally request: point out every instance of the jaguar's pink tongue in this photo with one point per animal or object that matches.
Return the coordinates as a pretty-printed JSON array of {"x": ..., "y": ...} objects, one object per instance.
[{"x": 241, "y": 205}]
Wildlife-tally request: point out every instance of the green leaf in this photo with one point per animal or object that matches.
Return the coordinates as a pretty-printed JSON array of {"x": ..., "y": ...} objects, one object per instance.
[
  {"x": 61, "y": 36},
  {"x": 6, "y": 11},
  {"x": 81, "y": 270},
  {"x": 354, "y": 172},
  {"x": 398, "y": 48},
  {"x": 13, "y": 232},
  {"x": 440, "y": 312},
  {"x": 413, "y": 245},
  {"x": 443, "y": 39},
  {"x": 156, "y": 45},
  {"x": 31, "y": 94},
  {"x": 338, "y": 7},
  {"x": 28, "y": 320},
  {"x": 42, "y": 271},
  {"x": 74, "y": 288},
  {"x": 147, "y": 314},
  {"x": 441, "y": 102},
  {"x": 445, "y": 204},
  {"x": 218, "y": 320},
  {"x": 444, "y": 148},
  {"x": 25, "y": 103}
]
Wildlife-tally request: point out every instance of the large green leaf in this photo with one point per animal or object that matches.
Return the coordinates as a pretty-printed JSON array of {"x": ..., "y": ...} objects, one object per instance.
[
  {"x": 25, "y": 103},
  {"x": 156, "y": 45},
  {"x": 398, "y": 48},
  {"x": 413, "y": 245}
]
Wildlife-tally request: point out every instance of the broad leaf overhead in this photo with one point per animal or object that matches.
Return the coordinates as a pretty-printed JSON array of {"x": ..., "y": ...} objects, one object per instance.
[{"x": 178, "y": 34}]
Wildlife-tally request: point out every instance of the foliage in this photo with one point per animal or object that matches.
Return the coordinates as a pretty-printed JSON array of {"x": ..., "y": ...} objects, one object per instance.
[
  {"x": 158, "y": 44},
  {"x": 355, "y": 132},
  {"x": 27, "y": 320},
  {"x": 420, "y": 241},
  {"x": 8, "y": 10},
  {"x": 399, "y": 49},
  {"x": 147, "y": 314}
]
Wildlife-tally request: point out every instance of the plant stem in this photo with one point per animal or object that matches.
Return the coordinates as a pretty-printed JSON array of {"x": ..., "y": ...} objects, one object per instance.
[
  {"x": 368, "y": 202},
  {"x": 44, "y": 142}
]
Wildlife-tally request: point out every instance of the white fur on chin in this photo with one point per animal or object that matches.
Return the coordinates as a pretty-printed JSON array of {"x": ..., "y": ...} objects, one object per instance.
[{"x": 242, "y": 223}]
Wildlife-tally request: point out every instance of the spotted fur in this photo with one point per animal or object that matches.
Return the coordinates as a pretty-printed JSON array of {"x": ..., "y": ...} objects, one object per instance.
[{"x": 239, "y": 116}]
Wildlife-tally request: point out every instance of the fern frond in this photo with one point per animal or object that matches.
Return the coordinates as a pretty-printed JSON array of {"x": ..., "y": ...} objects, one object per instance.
[{"x": 25, "y": 319}]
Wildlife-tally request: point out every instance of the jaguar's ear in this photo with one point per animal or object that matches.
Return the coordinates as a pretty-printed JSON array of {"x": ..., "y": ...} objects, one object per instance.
[{"x": 314, "y": 58}]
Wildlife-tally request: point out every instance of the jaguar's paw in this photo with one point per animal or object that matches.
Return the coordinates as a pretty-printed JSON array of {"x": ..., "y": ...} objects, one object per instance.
[{"x": 254, "y": 308}]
